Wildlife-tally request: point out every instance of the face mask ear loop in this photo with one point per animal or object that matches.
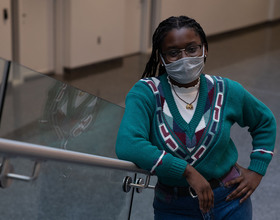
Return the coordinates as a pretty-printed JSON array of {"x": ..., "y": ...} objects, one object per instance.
[
  {"x": 203, "y": 55},
  {"x": 162, "y": 59}
]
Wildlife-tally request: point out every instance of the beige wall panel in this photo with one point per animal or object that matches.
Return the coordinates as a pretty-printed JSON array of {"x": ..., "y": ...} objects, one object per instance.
[
  {"x": 36, "y": 34},
  {"x": 217, "y": 16},
  {"x": 275, "y": 4},
  {"x": 132, "y": 23},
  {"x": 96, "y": 31},
  {"x": 6, "y": 31}
]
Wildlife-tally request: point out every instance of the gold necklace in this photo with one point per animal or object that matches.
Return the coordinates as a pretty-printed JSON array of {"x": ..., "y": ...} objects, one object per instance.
[{"x": 189, "y": 105}]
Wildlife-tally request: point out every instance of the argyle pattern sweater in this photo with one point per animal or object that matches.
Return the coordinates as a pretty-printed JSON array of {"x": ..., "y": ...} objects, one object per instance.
[{"x": 164, "y": 145}]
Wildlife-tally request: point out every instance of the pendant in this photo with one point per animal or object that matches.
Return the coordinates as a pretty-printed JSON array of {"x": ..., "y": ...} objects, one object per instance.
[{"x": 189, "y": 106}]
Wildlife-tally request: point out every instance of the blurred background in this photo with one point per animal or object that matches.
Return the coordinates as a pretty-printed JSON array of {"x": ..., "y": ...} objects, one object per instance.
[
  {"x": 52, "y": 36},
  {"x": 101, "y": 47},
  {"x": 73, "y": 40}
]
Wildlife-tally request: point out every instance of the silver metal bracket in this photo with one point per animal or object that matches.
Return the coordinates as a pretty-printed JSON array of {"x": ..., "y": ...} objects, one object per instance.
[
  {"x": 7, "y": 173},
  {"x": 139, "y": 184}
]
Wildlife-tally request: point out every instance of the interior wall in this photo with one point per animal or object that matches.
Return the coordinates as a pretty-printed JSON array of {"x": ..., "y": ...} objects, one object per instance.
[
  {"x": 96, "y": 31},
  {"x": 275, "y": 9},
  {"x": 101, "y": 30},
  {"x": 36, "y": 46},
  {"x": 118, "y": 34},
  {"x": 6, "y": 30},
  {"x": 217, "y": 16},
  {"x": 132, "y": 26},
  {"x": 93, "y": 31}
]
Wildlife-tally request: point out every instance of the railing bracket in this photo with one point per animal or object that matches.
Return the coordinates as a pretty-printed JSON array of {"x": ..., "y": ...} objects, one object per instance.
[
  {"x": 7, "y": 173},
  {"x": 139, "y": 184}
]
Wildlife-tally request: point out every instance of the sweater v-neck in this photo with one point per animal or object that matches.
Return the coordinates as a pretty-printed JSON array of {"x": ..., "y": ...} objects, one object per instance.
[{"x": 190, "y": 127}]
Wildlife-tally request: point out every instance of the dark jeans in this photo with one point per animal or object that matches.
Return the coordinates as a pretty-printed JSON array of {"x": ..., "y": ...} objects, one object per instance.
[{"x": 169, "y": 206}]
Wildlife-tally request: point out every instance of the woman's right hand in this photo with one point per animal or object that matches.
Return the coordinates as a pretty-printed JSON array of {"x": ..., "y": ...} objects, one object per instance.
[{"x": 202, "y": 188}]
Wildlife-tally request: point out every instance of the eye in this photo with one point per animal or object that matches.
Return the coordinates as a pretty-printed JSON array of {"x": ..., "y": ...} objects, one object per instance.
[
  {"x": 191, "y": 49},
  {"x": 173, "y": 53}
]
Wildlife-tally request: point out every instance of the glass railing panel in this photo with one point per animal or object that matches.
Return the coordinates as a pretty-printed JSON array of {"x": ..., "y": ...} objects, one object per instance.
[
  {"x": 66, "y": 191},
  {"x": 3, "y": 81},
  {"x": 41, "y": 110},
  {"x": 2, "y": 65}
]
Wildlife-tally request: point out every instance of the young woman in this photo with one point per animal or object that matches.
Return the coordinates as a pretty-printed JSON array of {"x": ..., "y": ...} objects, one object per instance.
[{"x": 177, "y": 125}]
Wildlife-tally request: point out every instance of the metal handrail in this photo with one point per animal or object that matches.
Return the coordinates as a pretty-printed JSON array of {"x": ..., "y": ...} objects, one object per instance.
[{"x": 39, "y": 152}]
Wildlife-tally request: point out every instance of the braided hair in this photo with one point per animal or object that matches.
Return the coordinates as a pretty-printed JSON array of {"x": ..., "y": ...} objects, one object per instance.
[{"x": 160, "y": 33}]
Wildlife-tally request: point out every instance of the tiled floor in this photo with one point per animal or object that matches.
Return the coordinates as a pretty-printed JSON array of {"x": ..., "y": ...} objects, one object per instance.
[{"x": 251, "y": 57}]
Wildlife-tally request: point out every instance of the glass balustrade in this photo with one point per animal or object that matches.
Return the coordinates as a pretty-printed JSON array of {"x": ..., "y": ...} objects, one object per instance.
[
  {"x": 2, "y": 65},
  {"x": 41, "y": 110},
  {"x": 66, "y": 191}
]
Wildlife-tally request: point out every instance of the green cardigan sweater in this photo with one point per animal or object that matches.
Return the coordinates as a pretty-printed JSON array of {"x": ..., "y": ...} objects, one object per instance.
[{"x": 164, "y": 145}]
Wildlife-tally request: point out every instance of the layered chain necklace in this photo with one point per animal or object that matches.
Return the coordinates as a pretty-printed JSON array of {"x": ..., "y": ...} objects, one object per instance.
[{"x": 189, "y": 106}]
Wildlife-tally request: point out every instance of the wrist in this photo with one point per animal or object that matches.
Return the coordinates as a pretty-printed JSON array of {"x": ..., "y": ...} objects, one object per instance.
[{"x": 187, "y": 171}]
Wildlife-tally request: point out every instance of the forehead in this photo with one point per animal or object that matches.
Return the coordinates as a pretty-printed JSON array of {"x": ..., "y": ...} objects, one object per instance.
[{"x": 179, "y": 38}]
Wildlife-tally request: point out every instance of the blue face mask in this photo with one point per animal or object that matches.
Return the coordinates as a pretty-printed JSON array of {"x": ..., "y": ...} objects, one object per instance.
[{"x": 185, "y": 70}]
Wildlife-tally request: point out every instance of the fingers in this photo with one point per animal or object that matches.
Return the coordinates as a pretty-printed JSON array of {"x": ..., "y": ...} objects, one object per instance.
[
  {"x": 242, "y": 191},
  {"x": 206, "y": 200},
  {"x": 247, "y": 184},
  {"x": 202, "y": 188},
  {"x": 210, "y": 203},
  {"x": 243, "y": 194},
  {"x": 248, "y": 194},
  {"x": 234, "y": 181},
  {"x": 238, "y": 192}
]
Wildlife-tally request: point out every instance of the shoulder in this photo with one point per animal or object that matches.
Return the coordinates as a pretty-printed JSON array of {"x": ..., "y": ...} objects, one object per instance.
[
  {"x": 216, "y": 78},
  {"x": 144, "y": 91},
  {"x": 231, "y": 86},
  {"x": 238, "y": 95},
  {"x": 146, "y": 86},
  {"x": 232, "y": 92}
]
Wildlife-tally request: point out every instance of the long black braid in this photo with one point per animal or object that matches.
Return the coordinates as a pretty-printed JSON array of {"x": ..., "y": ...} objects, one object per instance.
[{"x": 160, "y": 33}]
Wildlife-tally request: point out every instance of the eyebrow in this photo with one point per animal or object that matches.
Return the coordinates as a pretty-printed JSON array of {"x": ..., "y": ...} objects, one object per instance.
[{"x": 188, "y": 44}]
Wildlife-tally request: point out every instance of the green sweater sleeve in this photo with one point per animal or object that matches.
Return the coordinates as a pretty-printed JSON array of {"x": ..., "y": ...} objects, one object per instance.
[
  {"x": 133, "y": 142},
  {"x": 250, "y": 112}
]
